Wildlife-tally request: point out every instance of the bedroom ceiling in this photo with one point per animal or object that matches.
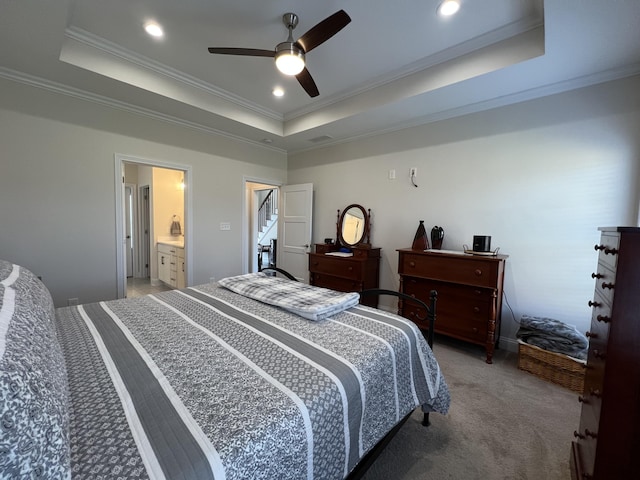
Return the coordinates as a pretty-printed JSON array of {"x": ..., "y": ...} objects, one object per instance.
[{"x": 397, "y": 64}]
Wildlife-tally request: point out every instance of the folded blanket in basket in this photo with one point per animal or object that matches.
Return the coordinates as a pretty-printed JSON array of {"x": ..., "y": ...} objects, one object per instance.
[
  {"x": 553, "y": 336},
  {"x": 313, "y": 303}
]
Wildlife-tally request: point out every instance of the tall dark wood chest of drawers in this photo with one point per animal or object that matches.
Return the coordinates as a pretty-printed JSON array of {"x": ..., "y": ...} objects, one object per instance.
[
  {"x": 607, "y": 444},
  {"x": 356, "y": 273},
  {"x": 469, "y": 293}
]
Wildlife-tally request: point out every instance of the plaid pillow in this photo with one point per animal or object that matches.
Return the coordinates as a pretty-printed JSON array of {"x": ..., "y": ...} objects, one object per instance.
[{"x": 313, "y": 303}]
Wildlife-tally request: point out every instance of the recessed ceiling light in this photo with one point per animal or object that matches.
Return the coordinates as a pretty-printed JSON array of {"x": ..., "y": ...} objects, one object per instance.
[
  {"x": 278, "y": 92},
  {"x": 153, "y": 29},
  {"x": 448, "y": 7}
]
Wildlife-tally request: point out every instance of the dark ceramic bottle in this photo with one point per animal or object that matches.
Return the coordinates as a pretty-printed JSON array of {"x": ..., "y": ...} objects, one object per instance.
[
  {"x": 420, "y": 241},
  {"x": 437, "y": 235}
]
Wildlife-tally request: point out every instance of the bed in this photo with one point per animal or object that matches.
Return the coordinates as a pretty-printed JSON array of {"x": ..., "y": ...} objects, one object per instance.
[{"x": 201, "y": 383}]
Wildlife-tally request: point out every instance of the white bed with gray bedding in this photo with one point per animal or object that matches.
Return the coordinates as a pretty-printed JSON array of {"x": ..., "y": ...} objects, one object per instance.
[{"x": 200, "y": 383}]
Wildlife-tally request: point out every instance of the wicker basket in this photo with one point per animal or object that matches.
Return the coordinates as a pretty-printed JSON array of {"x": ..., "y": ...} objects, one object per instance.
[{"x": 552, "y": 367}]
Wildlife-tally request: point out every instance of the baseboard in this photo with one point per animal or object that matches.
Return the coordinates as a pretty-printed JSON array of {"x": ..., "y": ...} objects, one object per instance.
[{"x": 509, "y": 344}]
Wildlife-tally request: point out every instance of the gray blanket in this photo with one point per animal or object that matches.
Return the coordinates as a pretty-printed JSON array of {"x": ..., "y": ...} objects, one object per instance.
[{"x": 553, "y": 336}]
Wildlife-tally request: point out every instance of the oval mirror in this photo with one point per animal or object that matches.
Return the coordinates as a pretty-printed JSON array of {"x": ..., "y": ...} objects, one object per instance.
[{"x": 353, "y": 226}]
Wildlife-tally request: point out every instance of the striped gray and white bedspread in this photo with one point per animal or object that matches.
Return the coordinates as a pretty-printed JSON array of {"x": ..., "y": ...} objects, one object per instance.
[{"x": 204, "y": 383}]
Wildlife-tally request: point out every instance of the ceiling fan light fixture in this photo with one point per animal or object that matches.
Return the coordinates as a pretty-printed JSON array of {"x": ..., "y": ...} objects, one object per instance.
[
  {"x": 154, "y": 29},
  {"x": 448, "y": 7},
  {"x": 289, "y": 59}
]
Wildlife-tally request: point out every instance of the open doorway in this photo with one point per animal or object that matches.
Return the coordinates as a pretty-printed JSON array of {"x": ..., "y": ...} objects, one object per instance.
[
  {"x": 152, "y": 212},
  {"x": 293, "y": 232},
  {"x": 262, "y": 217}
]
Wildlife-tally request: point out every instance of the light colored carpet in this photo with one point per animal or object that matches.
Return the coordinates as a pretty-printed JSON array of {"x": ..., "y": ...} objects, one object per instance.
[{"x": 503, "y": 424}]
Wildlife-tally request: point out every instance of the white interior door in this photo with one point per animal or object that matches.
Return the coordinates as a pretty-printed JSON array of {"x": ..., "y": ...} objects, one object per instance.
[
  {"x": 294, "y": 229},
  {"x": 129, "y": 217}
]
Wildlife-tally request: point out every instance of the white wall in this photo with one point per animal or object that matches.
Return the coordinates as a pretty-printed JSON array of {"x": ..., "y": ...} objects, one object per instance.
[
  {"x": 57, "y": 192},
  {"x": 539, "y": 177}
]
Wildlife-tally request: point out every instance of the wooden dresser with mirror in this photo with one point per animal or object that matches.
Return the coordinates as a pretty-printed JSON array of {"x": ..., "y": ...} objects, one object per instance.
[{"x": 350, "y": 264}]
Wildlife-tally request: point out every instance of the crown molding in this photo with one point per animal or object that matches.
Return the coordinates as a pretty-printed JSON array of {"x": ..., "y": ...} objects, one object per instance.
[
  {"x": 490, "y": 38},
  {"x": 94, "y": 41},
  {"x": 511, "y": 99},
  {"x": 531, "y": 94},
  {"x": 62, "y": 89}
]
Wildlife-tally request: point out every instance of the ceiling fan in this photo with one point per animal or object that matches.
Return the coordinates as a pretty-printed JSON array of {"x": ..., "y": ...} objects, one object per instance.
[{"x": 290, "y": 55}]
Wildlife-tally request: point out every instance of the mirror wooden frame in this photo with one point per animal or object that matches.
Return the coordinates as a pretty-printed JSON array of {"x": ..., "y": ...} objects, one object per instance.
[{"x": 364, "y": 239}]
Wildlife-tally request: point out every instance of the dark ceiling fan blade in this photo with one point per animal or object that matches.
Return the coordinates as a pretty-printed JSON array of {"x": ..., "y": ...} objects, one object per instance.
[
  {"x": 251, "y": 52},
  {"x": 324, "y": 30},
  {"x": 306, "y": 80}
]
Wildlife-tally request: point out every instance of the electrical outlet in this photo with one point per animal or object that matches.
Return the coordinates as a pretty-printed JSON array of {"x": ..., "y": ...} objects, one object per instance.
[
  {"x": 413, "y": 172},
  {"x": 392, "y": 174},
  {"x": 225, "y": 226}
]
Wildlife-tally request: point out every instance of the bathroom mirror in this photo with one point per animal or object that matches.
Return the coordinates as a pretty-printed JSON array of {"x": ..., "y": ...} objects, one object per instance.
[{"x": 353, "y": 226}]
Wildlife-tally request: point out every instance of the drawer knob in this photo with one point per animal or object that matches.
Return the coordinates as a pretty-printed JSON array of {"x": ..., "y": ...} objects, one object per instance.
[
  {"x": 412, "y": 264},
  {"x": 591, "y": 335},
  {"x": 610, "y": 251},
  {"x": 594, "y": 304},
  {"x": 608, "y": 285},
  {"x": 581, "y": 399},
  {"x": 478, "y": 272},
  {"x": 599, "y": 247},
  {"x": 597, "y": 275},
  {"x": 476, "y": 309},
  {"x": 589, "y": 433},
  {"x": 603, "y": 318},
  {"x": 350, "y": 268},
  {"x": 474, "y": 330},
  {"x": 594, "y": 392},
  {"x": 577, "y": 434},
  {"x": 599, "y": 354}
]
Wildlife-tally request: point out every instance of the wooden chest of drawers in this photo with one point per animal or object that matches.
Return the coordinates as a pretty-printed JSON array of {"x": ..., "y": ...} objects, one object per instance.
[
  {"x": 346, "y": 274},
  {"x": 469, "y": 293},
  {"x": 607, "y": 443}
]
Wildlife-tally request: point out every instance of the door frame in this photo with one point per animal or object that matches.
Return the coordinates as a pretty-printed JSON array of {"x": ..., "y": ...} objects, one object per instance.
[
  {"x": 121, "y": 268},
  {"x": 247, "y": 203},
  {"x": 133, "y": 224}
]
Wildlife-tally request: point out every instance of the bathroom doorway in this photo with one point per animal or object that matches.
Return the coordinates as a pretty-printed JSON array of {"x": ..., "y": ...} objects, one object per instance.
[{"x": 154, "y": 199}]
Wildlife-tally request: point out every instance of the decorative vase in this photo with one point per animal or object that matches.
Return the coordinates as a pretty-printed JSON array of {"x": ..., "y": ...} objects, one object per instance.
[
  {"x": 420, "y": 241},
  {"x": 437, "y": 235}
]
